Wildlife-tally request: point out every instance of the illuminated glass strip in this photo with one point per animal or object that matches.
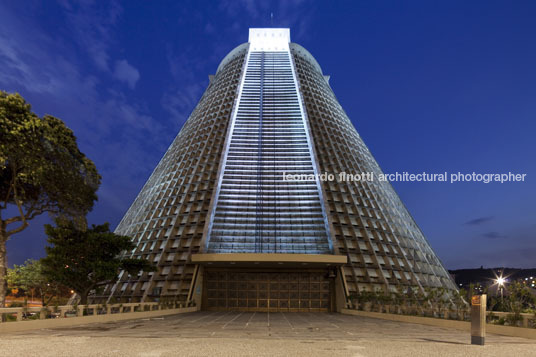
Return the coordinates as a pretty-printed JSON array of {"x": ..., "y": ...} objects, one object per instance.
[{"x": 256, "y": 211}]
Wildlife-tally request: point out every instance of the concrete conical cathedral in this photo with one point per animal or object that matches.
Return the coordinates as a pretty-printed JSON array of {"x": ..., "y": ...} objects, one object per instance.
[{"x": 230, "y": 226}]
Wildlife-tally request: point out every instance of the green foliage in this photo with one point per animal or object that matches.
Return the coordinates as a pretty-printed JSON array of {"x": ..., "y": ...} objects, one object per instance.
[
  {"x": 33, "y": 317},
  {"x": 10, "y": 317},
  {"x": 84, "y": 260},
  {"x": 519, "y": 298},
  {"x": 513, "y": 319},
  {"x": 41, "y": 167},
  {"x": 26, "y": 276},
  {"x": 438, "y": 297},
  {"x": 459, "y": 299},
  {"x": 496, "y": 303},
  {"x": 460, "y": 303},
  {"x": 400, "y": 297},
  {"x": 366, "y": 296},
  {"x": 383, "y": 298},
  {"x": 471, "y": 291},
  {"x": 41, "y": 170},
  {"x": 29, "y": 277}
]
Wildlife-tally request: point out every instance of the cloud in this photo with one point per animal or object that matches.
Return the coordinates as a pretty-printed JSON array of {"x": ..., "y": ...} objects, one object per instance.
[
  {"x": 92, "y": 25},
  {"x": 121, "y": 136},
  {"x": 493, "y": 235},
  {"x": 189, "y": 70},
  {"x": 479, "y": 220},
  {"x": 126, "y": 73}
]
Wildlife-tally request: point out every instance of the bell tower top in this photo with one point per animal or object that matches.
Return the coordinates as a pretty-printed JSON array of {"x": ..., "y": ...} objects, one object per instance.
[{"x": 269, "y": 39}]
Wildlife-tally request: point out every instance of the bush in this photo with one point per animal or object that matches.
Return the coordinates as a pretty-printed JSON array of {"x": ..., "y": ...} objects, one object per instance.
[
  {"x": 513, "y": 319},
  {"x": 33, "y": 317},
  {"x": 11, "y": 317}
]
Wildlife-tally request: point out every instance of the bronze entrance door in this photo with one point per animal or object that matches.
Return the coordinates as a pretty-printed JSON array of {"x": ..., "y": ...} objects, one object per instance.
[{"x": 275, "y": 291}]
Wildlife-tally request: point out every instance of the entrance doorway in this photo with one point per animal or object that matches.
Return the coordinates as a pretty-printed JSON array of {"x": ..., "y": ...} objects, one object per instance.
[{"x": 266, "y": 290}]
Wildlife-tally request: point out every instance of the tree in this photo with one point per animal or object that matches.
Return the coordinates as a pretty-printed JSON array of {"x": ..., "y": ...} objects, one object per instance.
[
  {"x": 84, "y": 260},
  {"x": 29, "y": 277},
  {"x": 519, "y": 298},
  {"x": 41, "y": 170}
]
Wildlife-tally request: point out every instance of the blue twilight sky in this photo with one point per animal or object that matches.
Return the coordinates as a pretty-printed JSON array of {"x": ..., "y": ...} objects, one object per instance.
[{"x": 430, "y": 85}]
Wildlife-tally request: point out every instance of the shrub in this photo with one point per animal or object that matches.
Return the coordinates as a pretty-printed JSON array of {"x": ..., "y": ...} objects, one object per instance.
[{"x": 513, "y": 319}]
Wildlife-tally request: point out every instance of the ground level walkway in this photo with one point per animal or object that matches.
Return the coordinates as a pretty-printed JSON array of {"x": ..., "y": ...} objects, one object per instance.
[{"x": 257, "y": 334}]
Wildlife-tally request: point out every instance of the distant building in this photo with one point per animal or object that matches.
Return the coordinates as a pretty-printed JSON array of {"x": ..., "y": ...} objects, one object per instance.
[{"x": 228, "y": 221}]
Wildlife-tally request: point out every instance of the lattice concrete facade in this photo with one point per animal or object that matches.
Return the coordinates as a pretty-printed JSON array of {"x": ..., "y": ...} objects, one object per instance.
[
  {"x": 224, "y": 228},
  {"x": 167, "y": 219},
  {"x": 371, "y": 225}
]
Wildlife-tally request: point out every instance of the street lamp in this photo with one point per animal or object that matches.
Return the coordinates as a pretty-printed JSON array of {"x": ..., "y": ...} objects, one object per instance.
[{"x": 500, "y": 281}]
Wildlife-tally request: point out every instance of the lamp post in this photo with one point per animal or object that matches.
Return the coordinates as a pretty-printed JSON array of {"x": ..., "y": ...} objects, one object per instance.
[{"x": 500, "y": 281}]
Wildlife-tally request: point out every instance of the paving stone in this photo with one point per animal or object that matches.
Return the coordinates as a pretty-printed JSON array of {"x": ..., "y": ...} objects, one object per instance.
[{"x": 258, "y": 334}]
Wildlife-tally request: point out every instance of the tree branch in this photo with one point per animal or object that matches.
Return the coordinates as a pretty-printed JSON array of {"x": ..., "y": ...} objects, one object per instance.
[
  {"x": 13, "y": 220},
  {"x": 49, "y": 299},
  {"x": 33, "y": 212},
  {"x": 22, "y": 216},
  {"x": 11, "y": 186},
  {"x": 19, "y": 205},
  {"x": 18, "y": 229},
  {"x": 30, "y": 214}
]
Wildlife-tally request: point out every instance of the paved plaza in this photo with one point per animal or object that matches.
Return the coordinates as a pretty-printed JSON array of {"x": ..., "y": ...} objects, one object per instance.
[{"x": 257, "y": 334}]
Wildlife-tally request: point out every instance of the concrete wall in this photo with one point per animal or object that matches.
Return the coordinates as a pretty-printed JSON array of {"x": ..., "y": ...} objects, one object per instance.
[
  {"x": 83, "y": 320},
  {"x": 459, "y": 325}
]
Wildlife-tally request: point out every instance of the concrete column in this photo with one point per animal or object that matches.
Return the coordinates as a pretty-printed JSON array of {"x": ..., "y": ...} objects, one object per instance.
[
  {"x": 339, "y": 295},
  {"x": 478, "y": 319}
]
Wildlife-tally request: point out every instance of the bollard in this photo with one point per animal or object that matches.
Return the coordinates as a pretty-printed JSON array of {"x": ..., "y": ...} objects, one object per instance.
[{"x": 478, "y": 319}]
